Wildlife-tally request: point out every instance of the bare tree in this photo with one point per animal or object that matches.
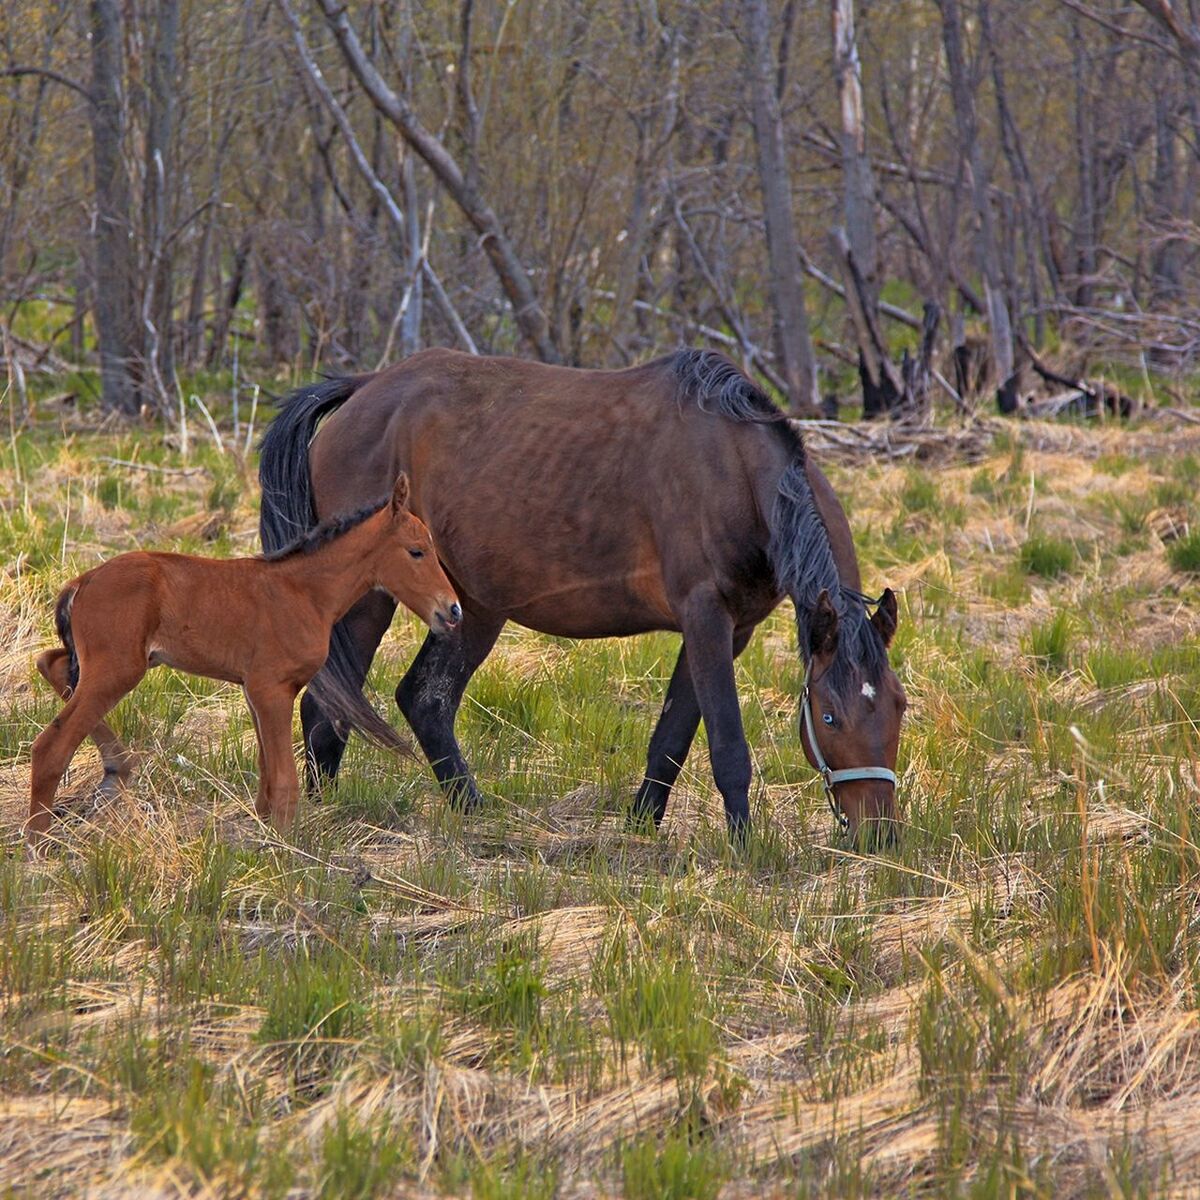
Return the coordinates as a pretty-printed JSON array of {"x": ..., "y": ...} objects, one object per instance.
[
  {"x": 786, "y": 283},
  {"x": 463, "y": 189},
  {"x": 986, "y": 250},
  {"x": 856, "y": 247},
  {"x": 115, "y": 305}
]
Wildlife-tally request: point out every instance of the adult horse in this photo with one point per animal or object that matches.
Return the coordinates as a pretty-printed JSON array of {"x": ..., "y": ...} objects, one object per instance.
[{"x": 595, "y": 504}]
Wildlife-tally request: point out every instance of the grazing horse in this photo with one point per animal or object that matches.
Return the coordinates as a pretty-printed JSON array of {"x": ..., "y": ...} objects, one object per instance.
[
  {"x": 580, "y": 503},
  {"x": 262, "y": 622}
]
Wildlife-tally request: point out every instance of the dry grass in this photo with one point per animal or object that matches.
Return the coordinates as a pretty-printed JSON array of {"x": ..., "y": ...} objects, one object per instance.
[{"x": 400, "y": 1001}]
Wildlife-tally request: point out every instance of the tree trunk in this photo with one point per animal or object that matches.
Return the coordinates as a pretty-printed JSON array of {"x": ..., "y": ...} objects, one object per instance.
[
  {"x": 158, "y": 299},
  {"x": 1085, "y": 236},
  {"x": 114, "y": 306},
  {"x": 786, "y": 285},
  {"x": 856, "y": 247},
  {"x": 1166, "y": 270},
  {"x": 858, "y": 182},
  {"x": 986, "y": 251}
]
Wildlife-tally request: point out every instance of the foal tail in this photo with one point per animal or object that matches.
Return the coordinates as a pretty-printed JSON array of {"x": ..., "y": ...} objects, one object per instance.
[
  {"x": 62, "y": 623},
  {"x": 287, "y": 512}
]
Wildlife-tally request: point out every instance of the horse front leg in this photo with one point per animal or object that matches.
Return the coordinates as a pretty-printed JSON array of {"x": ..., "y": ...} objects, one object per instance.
[
  {"x": 272, "y": 706},
  {"x": 673, "y": 736},
  {"x": 708, "y": 633},
  {"x": 432, "y": 689},
  {"x": 365, "y": 624}
]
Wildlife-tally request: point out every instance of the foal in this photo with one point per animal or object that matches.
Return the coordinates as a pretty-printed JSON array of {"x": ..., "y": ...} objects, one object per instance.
[{"x": 262, "y": 622}]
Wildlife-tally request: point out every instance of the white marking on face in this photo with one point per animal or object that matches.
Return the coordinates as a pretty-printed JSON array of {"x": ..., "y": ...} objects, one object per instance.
[{"x": 868, "y": 691}]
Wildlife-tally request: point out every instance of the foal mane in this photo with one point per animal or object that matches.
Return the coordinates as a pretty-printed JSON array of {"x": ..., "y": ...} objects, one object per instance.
[
  {"x": 324, "y": 533},
  {"x": 800, "y": 551}
]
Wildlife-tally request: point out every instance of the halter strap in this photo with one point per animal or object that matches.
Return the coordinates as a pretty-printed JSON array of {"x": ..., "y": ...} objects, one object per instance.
[{"x": 829, "y": 777}]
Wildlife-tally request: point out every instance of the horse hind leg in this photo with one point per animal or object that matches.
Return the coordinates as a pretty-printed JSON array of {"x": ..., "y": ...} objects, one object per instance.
[
  {"x": 431, "y": 691},
  {"x": 55, "y": 746},
  {"x": 119, "y": 761}
]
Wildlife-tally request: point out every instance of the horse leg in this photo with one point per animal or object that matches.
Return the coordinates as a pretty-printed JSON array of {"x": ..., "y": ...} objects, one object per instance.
[
  {"x": 431, "y": 691},
  {"x": 366, "y": 623},
  {"x": 272, "y": 705},
  {"x": 672, "y": 737},
  {"x": 708, "y": 634},
  {"x": 262, "y": 804},
  {"x": 119, "y": 762},
  {"x": 55, "y": 746}
]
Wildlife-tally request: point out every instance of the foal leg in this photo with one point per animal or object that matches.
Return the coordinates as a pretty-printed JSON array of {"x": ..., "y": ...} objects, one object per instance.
[
  {"x": 119, "y": 762},
  {"x": 366, "y": 623},
  {"x": 262, "y": 805},
  {"x": 431, "y": 691},
  {"x": 709, "y": 640},
  {"x": 272, "y": 705},
  {"x": 672, "y": 737},
  {"x": 56, "y": 744}
]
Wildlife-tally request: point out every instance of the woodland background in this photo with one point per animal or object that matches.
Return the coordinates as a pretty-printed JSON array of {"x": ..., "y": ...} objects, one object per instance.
[{"x": 285, "y": 187}]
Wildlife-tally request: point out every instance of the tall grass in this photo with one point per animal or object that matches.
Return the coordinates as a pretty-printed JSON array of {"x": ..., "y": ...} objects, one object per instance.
[{"x": 533, "y": 999}]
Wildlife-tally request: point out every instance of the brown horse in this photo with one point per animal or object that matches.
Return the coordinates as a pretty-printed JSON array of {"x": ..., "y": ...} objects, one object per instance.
[
  {"x": 262, "y": 622},
  {"x": 595, "y": 503}
]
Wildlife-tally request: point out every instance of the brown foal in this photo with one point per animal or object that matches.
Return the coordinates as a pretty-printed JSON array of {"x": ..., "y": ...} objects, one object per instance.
[{"x": 262, "y": 622}]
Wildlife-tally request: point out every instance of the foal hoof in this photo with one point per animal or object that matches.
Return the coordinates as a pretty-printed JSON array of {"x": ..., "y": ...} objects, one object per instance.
[{"x": 111, "y": 785}]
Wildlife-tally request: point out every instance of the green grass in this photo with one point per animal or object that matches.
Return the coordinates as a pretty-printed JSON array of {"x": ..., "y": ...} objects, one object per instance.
[
  {"x": 532, "y": 999},
  {"x": 1047, "y": 557},
  {"x": 1184, "y": 553}
]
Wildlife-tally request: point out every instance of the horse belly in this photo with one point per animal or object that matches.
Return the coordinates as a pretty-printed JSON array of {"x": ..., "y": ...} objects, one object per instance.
[{"x": 593, "y": 610}]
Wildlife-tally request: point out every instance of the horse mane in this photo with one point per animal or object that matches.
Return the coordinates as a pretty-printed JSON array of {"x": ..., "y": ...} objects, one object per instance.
[
  {"x": 324, "y": 533},
  {"x": 800, "y": 550}
]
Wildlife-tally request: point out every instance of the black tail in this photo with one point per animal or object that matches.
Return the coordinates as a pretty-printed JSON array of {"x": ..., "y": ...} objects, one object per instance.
[
  {"x": 287, "y": 511},
  {"x": 62, "y": 623}
]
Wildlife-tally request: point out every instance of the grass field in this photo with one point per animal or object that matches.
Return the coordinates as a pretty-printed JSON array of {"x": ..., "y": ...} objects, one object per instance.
[{"x": 535, "y": 1002}]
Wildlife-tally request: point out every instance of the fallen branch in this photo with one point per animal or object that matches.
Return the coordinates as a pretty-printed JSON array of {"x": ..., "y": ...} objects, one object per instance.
[{"x": 137, "y": 466}]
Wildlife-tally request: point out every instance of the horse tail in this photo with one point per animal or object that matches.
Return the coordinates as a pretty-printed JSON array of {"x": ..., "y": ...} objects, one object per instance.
[
  {"x": 287, "y": 511},
  {"x": 62, "y": 624}
]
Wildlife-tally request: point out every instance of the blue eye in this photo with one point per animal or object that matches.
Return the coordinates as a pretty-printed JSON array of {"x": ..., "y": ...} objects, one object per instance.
[{"x": 827, "y": 718}]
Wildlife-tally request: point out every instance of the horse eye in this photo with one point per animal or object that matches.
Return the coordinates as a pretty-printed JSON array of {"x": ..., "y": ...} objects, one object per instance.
[
  {"x": 827, "y": 718},
  {"x": 417, "y": 553}
]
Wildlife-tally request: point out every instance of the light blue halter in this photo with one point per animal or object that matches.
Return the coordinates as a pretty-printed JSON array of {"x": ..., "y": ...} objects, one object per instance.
[{"x": 829, "y": 777}]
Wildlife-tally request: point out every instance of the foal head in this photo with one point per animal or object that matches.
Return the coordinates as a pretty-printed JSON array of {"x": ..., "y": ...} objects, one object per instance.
[
  {"x": 407, "y": 565},
  {"x": 855, "y": 704}
]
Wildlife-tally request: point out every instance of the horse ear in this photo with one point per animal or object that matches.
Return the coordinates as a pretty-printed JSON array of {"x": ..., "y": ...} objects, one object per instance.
[
  {"x": 400, "y": 494},
  {"x": 884, "y": 616},
  {"x": 823, "y": 628}
]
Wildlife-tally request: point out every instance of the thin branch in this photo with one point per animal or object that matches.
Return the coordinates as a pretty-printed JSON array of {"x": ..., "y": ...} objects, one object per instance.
[
  {"x": 47, "y": 73},
  {"x": 378, "y": 187}
]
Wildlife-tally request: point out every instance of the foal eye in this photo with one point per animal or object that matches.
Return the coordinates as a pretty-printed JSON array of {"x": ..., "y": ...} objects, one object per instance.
[
  {"x": 827, "y": 718},
  {"x": 417, "y": 553}
]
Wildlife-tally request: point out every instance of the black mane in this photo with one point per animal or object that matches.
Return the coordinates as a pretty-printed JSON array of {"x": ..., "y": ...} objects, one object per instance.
[
  {"x": 800, "y": 550},
  {"x": 714, "y": 384},
  {"x": 324, "y": 533}
]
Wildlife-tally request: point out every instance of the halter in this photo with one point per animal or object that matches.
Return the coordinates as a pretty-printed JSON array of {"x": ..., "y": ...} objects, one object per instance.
[{"x": 829, "y": 777}]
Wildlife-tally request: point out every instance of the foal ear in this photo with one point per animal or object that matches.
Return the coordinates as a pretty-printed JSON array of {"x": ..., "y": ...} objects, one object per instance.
[
  {"x": 400, "y": 494},
  {"x": 884, "y": 616},
  {"x": 823, "y": 628}
]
